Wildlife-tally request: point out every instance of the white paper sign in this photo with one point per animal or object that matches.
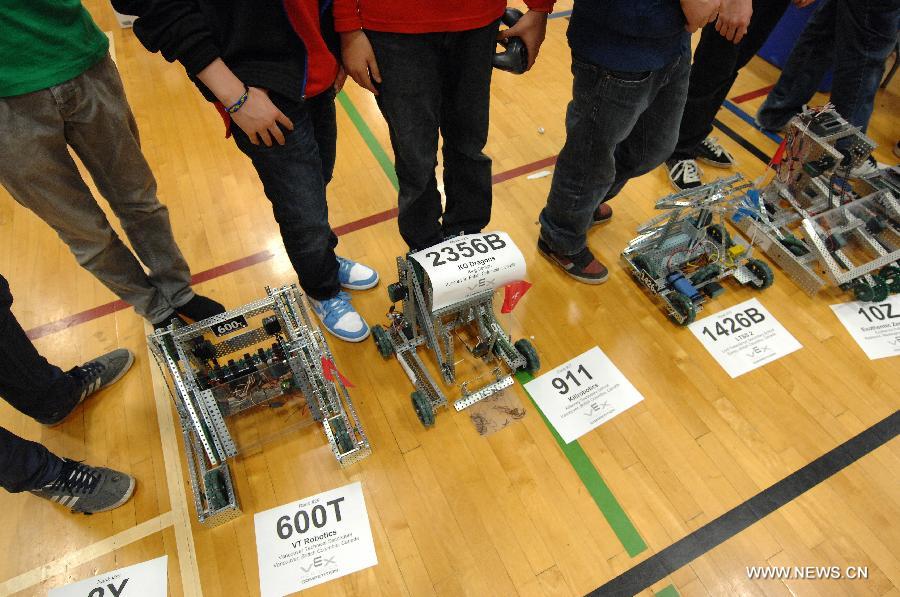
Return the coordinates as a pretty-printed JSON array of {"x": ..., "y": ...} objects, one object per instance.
[
  {"x": 319, "y": 538},
  {"x": 582, "y": 394},
  {"x": 147, "y": 579},
  {"x": 464, "y": 266},
  {"x": 744, "y": 337},
  {"x": 874, "y": 326}
]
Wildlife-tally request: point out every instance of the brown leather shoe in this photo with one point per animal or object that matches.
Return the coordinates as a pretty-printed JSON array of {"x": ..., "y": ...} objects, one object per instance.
[{"x": 603, "y": 214}]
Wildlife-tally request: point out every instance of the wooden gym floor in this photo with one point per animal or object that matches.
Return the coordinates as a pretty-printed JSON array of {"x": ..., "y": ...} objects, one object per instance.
[{"x": 454, "y": 513}]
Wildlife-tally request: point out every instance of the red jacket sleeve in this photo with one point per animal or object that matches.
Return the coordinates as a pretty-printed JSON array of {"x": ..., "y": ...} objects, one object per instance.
[
  {"x": 346, "y": 15},
  {"x": 541, "y": 5}
]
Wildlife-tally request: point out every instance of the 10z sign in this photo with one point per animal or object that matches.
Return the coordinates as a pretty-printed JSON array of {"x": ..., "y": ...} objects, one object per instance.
[{"x": 319, "y": 538}]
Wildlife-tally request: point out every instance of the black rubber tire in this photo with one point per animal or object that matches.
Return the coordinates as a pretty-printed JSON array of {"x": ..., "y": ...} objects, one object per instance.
[
  {"x": 382, "y": 341},
  {"x": 684, "y": 306},
  {"x": 527, "y": 350},
  {"x": 396, "y": 292},
  {"x": 422, "y": 406},
  {"x": 862, "y": 291},
  {"x": 761, "y": 270},
  {"x": 891, "y": 275},
  {"x": 796, "y": 246},
  {"x": 880, "y": 288}
]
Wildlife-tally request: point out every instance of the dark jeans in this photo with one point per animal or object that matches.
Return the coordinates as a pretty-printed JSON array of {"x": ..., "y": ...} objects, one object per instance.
[
  {"x": 716, "y": 65},
  {"x": 438, "y": 82},
  {"x": 853, "y": 36},
  {"x": 294, "y": 177},
  {"x": 34, "y": 387},
  {"x": 618, "y": 126}
]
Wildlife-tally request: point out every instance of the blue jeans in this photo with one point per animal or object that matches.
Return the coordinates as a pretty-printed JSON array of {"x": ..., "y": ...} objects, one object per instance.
[
  {"x": 34, "y": 387},
  {"x": 618, "y": 126},
  {"x": 853, "y": 36},
  {"x": 294, "y": 177},
  {"x": 438, "y": 82}
]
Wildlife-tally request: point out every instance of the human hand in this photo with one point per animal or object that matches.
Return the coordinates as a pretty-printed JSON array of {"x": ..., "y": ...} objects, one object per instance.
[
  {"x": 734, "y": 18},
  {"x": 359, "y": 60},
  {"x": 339, "y": 80},
  {"x": 259, "y": 118},
  {"x": 531, "y": 28},
  {"x": 699, "y": 12}
]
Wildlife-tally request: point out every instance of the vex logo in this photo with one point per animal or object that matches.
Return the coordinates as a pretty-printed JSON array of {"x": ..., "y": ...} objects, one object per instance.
[{"x": 319, "y": 562}]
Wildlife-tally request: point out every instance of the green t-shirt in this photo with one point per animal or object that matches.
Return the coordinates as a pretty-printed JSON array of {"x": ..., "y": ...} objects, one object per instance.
[{"x": 44, "y": 43}]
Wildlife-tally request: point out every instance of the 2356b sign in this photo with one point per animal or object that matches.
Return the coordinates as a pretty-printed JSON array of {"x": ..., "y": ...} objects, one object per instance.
[{"x": 466, "y": 249}]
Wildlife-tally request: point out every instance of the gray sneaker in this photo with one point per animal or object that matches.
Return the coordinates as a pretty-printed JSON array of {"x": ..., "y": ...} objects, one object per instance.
[
  {"x": 95, "y": 375},
  {"x": 87, "y": 489}
]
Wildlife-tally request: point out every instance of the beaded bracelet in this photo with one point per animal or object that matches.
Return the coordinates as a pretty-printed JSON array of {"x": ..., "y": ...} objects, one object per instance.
[{"x": 240, "y": 102}]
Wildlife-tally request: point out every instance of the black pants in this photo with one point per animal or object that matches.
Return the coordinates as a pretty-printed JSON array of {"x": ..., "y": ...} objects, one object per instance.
[
  {"x": 294, "y": 177},
  {"x": 34, "y": 387},
  {"x": 716, "y": 65},
  {"x": 431, "y": 83}
]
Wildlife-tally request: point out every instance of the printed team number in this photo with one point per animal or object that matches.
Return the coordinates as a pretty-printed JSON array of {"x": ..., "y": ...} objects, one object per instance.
[
  {"x": 230, "y": 325},
  {"x": 563, "y": 387},
  {"x": 740, "y": 323},
  {"x": 881, "y": 312},
  {"x": 466, "y": 248},
  {"x": 302, "y": 521}
]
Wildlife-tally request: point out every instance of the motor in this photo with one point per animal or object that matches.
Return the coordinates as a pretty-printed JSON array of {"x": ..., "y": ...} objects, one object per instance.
[{"x": 514, "y": 57}]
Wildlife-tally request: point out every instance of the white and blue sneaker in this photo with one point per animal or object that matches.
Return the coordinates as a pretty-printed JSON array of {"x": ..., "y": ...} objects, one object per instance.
[
  {"x": 340, "y": 318},
  {"x": 356, "y": 276}
]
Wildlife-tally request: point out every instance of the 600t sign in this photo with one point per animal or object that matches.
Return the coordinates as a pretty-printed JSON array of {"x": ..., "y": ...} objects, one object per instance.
[
  {"x": 466, "y": 249},
  {"x": 316, "y": 517},
  {"x": 229, "y": 326}
]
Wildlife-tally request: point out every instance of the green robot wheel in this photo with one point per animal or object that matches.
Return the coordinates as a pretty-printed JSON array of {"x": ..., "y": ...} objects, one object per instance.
[
  {"x": 684, "y": 306},
  {"x": 422, "y": 406},
  {"x": 527, "y": 350}
]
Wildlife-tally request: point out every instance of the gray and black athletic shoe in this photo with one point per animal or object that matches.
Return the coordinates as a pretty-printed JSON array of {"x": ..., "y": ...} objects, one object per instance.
[
  {"x": 684, "y": 174},
  {"x": 712, "y": 153},
  {"x": 88, "y": 489},
  {"x": 93, "y": 376}
]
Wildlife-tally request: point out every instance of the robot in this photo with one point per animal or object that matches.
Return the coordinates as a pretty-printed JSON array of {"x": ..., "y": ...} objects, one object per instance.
[
  {"x": 471, "y": 321},
  {"x": 681, "y": 256},
  {"x": 246, "y": 377},
  {"x": 817, "y": 226}
]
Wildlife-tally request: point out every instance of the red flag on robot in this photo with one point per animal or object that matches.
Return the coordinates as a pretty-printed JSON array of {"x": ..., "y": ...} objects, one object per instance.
[
  {"x": 329, "y": 369},
  {"x": 512, "y": 293}
]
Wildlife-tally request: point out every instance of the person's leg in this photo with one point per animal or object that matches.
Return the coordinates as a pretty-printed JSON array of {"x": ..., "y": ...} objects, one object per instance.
[
  {"x": 101, "y": 129},
  {"x": 866, "y": 34},
  {"x": 654, "y": 135},
  {"x": 25, "y": 465},
  {"x": 466, "y": 85},
  {"x": 39, "y": 173},
  {"x": 27, "y": 381},
  {"x": 812, "y": 56},
  {"x": 605, "y": 107},
  {"x": 410, "y": 100},
  {"x": 292, "y": 177},
  {"x": 714, "y": 70}
]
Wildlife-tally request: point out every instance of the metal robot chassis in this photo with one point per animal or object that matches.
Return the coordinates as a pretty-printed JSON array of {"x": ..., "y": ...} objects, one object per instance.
[
  {"x": 288, "y": 374},
  {"x": 416, "y": 325}
]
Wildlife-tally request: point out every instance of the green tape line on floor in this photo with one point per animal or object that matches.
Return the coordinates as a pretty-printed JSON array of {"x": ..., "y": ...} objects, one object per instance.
[
  {"x": 366, "y": 133},
  {"x": 669, "y": 591},
  {"x": 619, "y": 522}
]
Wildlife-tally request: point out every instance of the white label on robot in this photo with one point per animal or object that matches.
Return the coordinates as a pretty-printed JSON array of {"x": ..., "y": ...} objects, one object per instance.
[
  {"x": 465, "y": 266},
  {"x": 582, "y": 394},
  {"x": 319, "y": 538},
  {"x": 147, "y": 579},
  {"x": 874, "y": 326},
  {"x": 744, "y": 337}
]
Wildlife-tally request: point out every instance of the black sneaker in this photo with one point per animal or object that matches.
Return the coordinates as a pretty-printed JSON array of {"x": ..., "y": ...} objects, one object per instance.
[
  {"x": 164, "y": 324},
  {"x": 200, "y": 308},
  {"x": 604, "y": 213},
  {"x": 582, "y": 266},
  {"x": 88, "y": 489},
  {"x": 710, "y": 152},
  {"x": 93, "y": 376},
  {"x": 684, "y": 174}
]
